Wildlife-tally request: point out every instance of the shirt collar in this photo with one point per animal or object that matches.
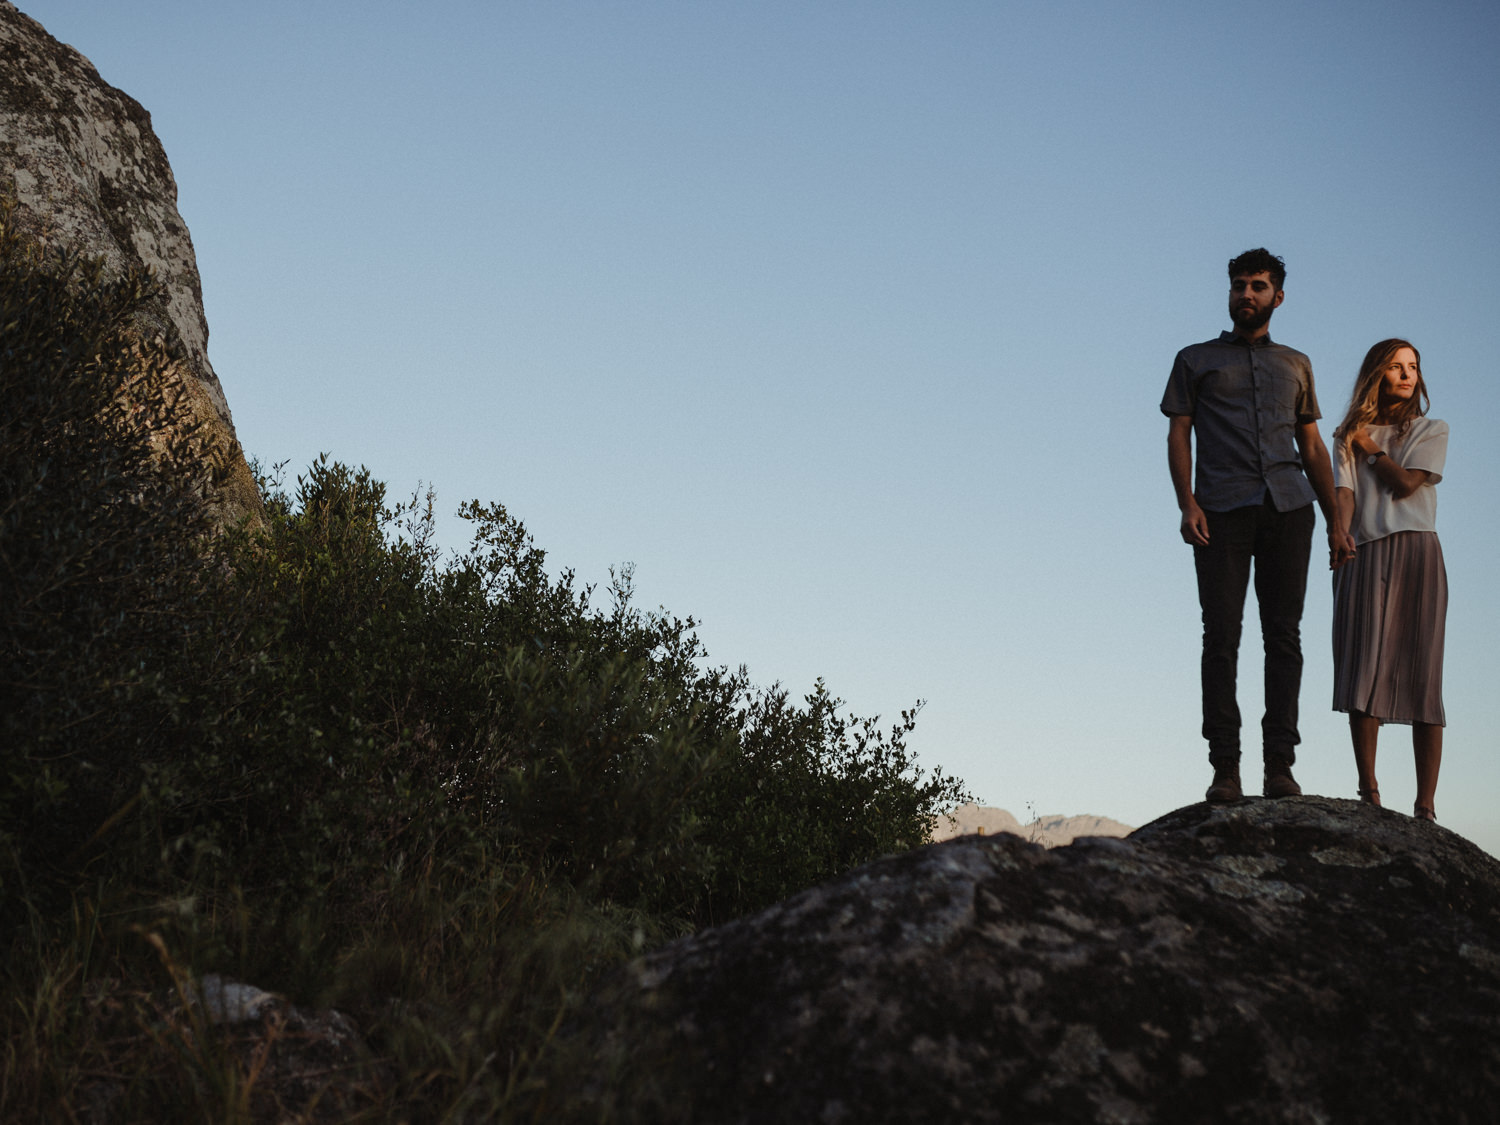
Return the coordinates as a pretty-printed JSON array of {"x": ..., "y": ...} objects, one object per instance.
[{"x": 1231, "y": 338}]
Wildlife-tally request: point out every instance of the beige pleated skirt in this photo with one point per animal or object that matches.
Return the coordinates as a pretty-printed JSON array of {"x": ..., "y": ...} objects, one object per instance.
[{"x": 1389, "y": 608}]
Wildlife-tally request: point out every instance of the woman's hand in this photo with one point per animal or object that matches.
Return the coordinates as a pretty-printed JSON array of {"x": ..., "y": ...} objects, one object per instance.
[
  {"x": 1341, "y": 549},
  {"x": 1362, "y": 443}
]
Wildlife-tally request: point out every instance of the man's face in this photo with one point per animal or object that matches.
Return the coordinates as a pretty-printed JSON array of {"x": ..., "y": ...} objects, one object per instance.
[{"x": 1252, "y": 299}]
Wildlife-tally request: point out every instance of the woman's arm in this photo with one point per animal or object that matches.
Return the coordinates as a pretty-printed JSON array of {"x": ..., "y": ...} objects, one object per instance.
[
  {"x": 1342, "y": 552},
  {"x": 1400, "y": 482}
]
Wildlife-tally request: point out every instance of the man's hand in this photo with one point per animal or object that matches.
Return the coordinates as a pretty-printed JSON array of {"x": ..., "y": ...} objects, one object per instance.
[
  {"x": 1340, "y": 548},
  {"x": 1194, "y": 525}
]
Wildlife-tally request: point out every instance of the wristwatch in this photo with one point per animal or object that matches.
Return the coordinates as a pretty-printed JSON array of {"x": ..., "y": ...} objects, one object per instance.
[{"x": 1376, "y": 456}]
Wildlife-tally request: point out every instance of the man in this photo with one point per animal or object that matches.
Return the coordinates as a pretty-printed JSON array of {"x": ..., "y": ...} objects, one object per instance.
[{"x": 1261, "y": 463}]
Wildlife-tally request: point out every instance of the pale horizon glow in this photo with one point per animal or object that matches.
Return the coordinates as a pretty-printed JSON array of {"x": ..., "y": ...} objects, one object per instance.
[{"x": 846, "y": 324}]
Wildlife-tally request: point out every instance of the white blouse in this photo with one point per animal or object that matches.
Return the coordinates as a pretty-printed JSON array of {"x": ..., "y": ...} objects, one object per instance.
[{"x": 1377, "y": 513}]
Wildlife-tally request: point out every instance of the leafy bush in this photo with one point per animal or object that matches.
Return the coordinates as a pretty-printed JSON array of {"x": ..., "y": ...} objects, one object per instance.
[
  {"x": 314, "y": 753},
  {"x": 101, "y": 521},
  {"x": 392, "y": 705},
  {"x": 808, "y": 792}
]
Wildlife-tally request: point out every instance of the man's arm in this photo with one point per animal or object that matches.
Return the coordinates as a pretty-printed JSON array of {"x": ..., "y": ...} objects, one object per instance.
[
  {"x": 1319, "y": 469},
  {"x": 1180, "y": 462}
]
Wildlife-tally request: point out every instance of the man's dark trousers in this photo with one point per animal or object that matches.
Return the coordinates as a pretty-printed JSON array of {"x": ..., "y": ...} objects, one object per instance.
[{"x": 1279, "y": 544}]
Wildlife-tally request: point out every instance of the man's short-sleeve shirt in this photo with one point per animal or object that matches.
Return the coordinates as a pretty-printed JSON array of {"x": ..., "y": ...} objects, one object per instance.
[{"x": 1246, "y": 399}]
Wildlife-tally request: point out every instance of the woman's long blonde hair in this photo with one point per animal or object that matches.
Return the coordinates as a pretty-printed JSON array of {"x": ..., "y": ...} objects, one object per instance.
[{"x": 1364, "y": 403}]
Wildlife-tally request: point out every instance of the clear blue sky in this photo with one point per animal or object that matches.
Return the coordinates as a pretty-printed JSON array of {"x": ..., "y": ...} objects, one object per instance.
[{"x": 847, "y": 323}]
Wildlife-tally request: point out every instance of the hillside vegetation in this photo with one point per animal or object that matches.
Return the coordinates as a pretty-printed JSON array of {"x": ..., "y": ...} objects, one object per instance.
[{"x": 440, "y": 793}]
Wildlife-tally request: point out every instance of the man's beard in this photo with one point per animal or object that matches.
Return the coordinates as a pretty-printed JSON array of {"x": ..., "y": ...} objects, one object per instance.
[{"x": 1252, "y": 321}]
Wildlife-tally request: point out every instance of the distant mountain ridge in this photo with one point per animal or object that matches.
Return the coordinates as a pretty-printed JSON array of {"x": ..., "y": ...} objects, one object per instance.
[{"x": 1051, "y": 830}]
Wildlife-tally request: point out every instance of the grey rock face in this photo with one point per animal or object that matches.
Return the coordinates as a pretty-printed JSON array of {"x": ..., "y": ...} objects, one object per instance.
[
  {"x": 88, "y": 174},
  {"x": 1305, "y": 960}
]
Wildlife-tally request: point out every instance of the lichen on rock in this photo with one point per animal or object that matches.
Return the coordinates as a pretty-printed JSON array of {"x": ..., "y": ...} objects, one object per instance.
[
  {"x": 1299, "y": 960},
  {"x": 89, "y": 176}
]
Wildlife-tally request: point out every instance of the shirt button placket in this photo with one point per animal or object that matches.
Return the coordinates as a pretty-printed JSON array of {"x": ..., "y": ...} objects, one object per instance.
[{"x": 1256, "y": 374}]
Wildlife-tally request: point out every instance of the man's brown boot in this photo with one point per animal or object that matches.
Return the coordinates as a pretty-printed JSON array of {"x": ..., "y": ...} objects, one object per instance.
[
  {"x": 1226, "y": 786},
  {"x": 1279, "y": 779}
]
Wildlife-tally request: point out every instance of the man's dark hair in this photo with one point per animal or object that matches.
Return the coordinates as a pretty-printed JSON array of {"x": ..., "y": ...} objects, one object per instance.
[{"x": 1259, "y": 260}]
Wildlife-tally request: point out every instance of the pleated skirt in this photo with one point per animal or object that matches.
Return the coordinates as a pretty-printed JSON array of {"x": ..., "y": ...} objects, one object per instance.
[{"x": 1390, "y": 605}]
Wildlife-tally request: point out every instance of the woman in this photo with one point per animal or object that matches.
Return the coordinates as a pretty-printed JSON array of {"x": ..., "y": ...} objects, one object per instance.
[{"x": 1390, "y": 595}]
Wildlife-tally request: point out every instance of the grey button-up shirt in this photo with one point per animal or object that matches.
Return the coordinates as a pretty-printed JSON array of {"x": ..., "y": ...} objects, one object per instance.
[{"x": 1245, "y": 400}]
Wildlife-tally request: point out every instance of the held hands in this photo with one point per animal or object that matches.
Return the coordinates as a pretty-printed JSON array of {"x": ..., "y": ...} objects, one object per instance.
[
  {"x": 1340, "y": 548},
  {"x": 1194, "y": 529}
]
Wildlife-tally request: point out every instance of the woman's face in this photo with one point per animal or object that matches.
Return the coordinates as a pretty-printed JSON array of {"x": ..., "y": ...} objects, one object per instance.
[{"x": 1398, "y": 382}]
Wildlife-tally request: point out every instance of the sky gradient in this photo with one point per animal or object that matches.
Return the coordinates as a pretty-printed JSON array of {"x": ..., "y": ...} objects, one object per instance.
[{"x": 847, "y": 324}]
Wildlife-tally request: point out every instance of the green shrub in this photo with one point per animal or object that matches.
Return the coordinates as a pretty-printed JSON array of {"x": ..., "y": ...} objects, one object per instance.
[
  {"x": 807, "y": 792},
  {"x": 314, "y": 753},
  {"x": 391, "y": 705},
  {"x": 101, "y": 524}
]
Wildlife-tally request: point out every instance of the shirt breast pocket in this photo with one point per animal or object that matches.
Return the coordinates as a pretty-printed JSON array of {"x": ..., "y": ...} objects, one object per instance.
[{"x": 1284, "y": 393}]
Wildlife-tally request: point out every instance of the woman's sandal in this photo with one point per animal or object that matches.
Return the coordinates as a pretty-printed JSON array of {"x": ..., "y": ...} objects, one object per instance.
[
  {"x": 1370, "y": 796},
  {"x": 1424, "y": 812}
]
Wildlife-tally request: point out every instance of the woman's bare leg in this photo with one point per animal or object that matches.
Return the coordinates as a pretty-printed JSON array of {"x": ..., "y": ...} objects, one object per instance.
[
  {"x": 1364, "y": 731},
  {"x": 1427, "y": 742}
]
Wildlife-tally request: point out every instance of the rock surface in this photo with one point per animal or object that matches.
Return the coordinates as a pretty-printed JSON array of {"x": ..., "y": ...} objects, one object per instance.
[
  {"x": 1305, "y": 960},
  {"x": 292, "y": 1064},
  {"x": 307, "y": 1065},
  {"x": 88, "y": 174},
  {"x": 1048, "y": 829}
]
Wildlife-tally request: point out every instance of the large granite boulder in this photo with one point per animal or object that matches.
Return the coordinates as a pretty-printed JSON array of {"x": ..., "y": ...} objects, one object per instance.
[
  {"x": 1305, "y": 960},
  {"x": 87, "y": 174}
]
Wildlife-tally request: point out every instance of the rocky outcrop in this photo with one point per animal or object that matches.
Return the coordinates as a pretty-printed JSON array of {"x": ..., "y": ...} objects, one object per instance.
[
  {"x": 1305, "y": 960},
  {"x": 88, "y": 174},
  {"x": 1051, "y": 830}
]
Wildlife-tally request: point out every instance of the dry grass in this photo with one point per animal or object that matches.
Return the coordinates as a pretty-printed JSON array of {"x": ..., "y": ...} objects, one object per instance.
[{"x": 457, "y": 995}]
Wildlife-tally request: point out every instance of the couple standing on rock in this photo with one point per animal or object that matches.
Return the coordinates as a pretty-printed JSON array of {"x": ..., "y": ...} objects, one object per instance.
[{"x": 1260, "y": 465}]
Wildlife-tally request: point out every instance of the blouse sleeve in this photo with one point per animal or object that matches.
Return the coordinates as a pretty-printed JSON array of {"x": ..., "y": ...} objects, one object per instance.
[{"x": 1428, "y": 449}]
